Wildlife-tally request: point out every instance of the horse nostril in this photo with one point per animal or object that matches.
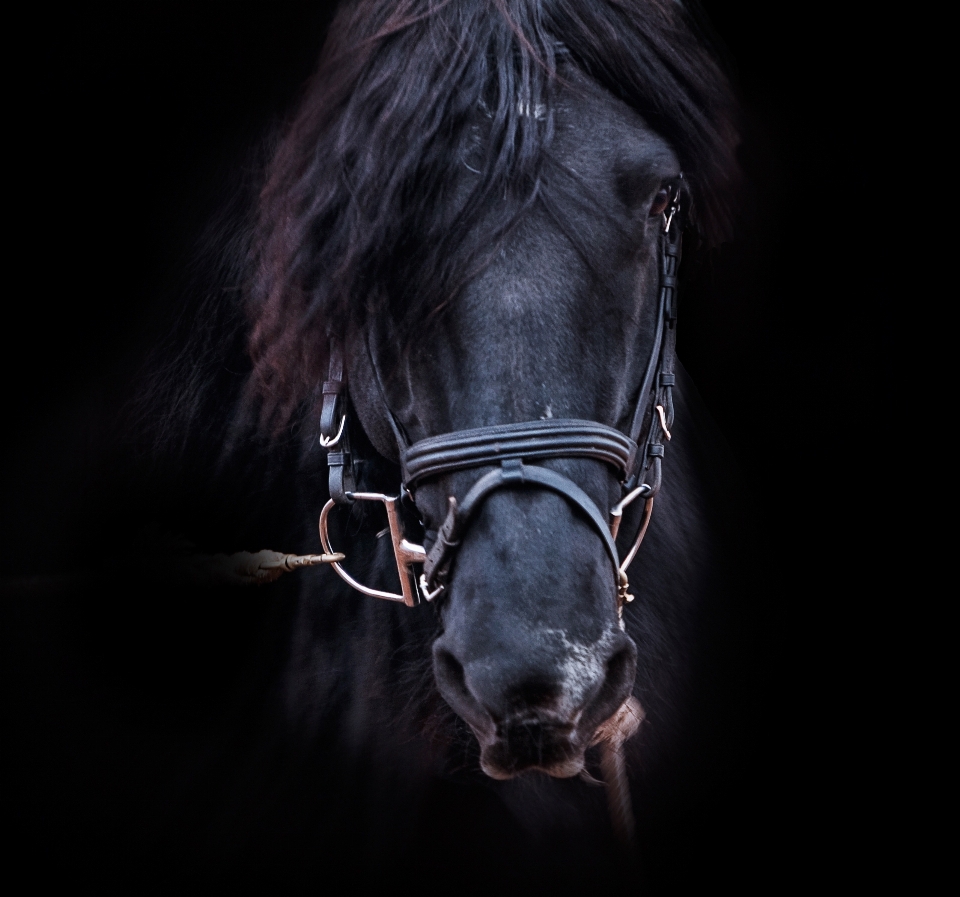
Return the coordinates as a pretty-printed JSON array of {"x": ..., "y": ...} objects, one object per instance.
[
  {"x": 449, "y": 670},
  {"x": 622, "y": 665},
  {"x": 621, "y": 671},
  {"x": 452, "y": 682}
]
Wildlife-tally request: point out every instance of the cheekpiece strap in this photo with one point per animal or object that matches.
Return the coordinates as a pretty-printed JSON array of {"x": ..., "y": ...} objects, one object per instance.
[
  {"x": 333, "y": 429},
  {"x": 331, "y": 412},
  {"x": 655, "y": 411}
]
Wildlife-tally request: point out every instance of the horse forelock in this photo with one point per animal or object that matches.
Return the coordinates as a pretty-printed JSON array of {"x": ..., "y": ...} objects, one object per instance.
[{"x": 356, "y": 216}]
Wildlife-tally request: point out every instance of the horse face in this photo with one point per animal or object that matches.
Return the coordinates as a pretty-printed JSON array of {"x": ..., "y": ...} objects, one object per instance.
[{"x": 560, "y": 325}]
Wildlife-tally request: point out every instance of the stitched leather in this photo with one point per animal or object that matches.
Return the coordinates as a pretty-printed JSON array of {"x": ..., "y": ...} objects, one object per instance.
[{"x": 528, "y": 440}]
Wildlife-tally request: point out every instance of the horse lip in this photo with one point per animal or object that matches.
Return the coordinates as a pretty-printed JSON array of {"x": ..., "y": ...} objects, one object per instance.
[
  {"x": 564, "y": 768},
  {"x": 554, "y": 727},
  {"x": 562, "y": 755}
]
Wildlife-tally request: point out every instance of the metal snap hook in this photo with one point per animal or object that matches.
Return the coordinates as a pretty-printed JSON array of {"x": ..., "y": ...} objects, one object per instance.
[{"x": 425, "y": 589}]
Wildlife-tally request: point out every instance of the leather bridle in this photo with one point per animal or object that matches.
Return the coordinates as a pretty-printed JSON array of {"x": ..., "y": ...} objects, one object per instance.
[{"x": 514, "y": 451}]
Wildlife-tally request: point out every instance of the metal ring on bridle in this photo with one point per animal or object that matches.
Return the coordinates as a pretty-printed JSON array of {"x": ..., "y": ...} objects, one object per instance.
[{"x": 405, "y": 552}]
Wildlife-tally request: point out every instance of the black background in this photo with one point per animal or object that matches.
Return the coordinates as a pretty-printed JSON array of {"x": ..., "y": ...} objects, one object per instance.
[{"x": 129, "y": 125}]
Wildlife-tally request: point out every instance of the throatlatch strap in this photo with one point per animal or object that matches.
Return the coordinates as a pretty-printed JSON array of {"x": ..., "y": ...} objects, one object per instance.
[{"x": 529, "y": 440}]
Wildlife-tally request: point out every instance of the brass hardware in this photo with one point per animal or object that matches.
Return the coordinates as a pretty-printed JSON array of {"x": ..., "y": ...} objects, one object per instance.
[
  {"x": 287, "y": 562},
  {"x": 405, "y": 552},
  {"x": 623, "y": 586},
  {"x": 616, "y": 512},
  {"x": 647, "y": 511}
]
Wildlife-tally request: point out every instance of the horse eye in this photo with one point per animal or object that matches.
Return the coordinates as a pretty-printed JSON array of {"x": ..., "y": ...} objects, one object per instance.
[{"x": 660, "y": 202}]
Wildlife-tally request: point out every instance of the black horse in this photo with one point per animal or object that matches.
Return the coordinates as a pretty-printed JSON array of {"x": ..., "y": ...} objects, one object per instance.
[
  {"x": 465, "y": 235},
  {"x": 468, "y": 228}
]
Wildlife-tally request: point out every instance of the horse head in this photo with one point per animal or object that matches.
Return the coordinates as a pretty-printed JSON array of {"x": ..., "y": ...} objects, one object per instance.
[
  {"x": 475, "y": 205},
  {"x": 558, "y": 325}
]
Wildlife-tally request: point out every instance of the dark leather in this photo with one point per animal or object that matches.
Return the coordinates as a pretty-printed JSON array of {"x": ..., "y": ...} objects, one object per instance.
[
  {"x": 332, "y": 411},
  {"x": 528, "y": 440},
  {"x": 512, "y": 473},
  {"x": 659, "y": 378},
  {"x": 342, "y": 482},
  {"x": 333, "y": 388}
]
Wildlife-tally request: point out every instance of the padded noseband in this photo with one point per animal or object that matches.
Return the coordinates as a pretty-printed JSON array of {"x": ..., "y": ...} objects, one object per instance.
[{"x": 509, "y": 445}]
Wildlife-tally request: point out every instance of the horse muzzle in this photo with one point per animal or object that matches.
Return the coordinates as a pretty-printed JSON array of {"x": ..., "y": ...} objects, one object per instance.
[{"x": 538, "y": 710}]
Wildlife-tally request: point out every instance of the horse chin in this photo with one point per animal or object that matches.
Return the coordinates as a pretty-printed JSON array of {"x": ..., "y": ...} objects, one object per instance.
[
  {"x": 560, "y": 758},
  {"x": 564, "y": 769}
]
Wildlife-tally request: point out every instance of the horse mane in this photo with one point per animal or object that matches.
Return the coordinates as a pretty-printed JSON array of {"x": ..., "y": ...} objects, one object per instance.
[{"x": 355, "y": 217}]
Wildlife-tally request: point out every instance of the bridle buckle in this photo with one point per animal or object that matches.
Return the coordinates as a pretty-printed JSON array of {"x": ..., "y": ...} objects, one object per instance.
[{"x": 330, "y": 441}]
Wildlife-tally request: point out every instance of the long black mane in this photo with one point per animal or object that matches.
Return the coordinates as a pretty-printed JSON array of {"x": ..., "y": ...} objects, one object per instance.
[{"x": 355, "y": 216}]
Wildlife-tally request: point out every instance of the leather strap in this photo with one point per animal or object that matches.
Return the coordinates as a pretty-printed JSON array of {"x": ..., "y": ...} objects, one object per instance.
[
  {"x": 530, "y": 440},
  {"x": 659, "y": 378},
  {"x": 332, "y": 412},
  {"x": 511, "y": 473},
  {"x": 510, "y": 444}
]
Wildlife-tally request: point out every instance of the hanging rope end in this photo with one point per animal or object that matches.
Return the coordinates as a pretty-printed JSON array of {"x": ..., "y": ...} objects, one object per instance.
[
  {"x": 611, "y": 737},
  {"x": 255, "y": 568}
]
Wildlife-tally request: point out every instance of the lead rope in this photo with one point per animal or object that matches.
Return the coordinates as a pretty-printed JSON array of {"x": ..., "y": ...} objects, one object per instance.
[
  {"x": 243, "y": 568},
  {"x": 611, "y": 736}
]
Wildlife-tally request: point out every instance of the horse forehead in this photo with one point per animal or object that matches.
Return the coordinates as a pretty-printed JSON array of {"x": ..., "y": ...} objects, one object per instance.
[
  {"x": 536, "y": 271},
  {"x": 594, "y": 126},
  {"x": 528, "y": 325}
]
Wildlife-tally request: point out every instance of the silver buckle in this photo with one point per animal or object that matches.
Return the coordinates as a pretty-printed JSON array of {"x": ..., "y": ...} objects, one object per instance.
[
  {"x": 327, "y": 441},
  {"x": 674, "y": 208}
]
